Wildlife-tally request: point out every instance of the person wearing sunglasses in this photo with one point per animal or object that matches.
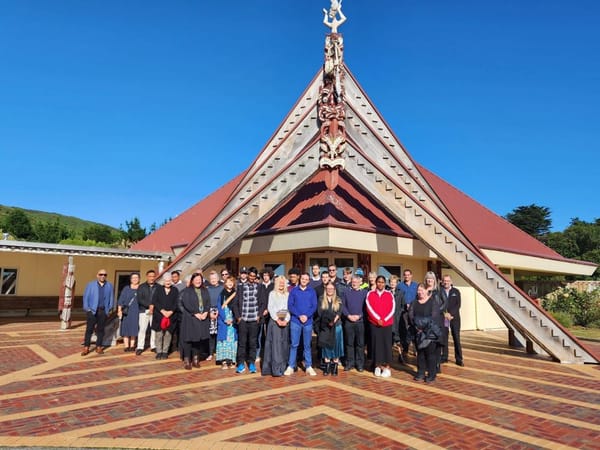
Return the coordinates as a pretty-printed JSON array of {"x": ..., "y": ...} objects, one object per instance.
[{"x": 98, "y": 300}]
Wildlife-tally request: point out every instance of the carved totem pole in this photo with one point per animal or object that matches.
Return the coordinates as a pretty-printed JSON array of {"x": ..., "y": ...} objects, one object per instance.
[{"x": 331, "y": 103}]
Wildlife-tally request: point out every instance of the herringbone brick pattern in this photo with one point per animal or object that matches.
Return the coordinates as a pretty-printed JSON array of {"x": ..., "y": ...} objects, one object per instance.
[{"x": 503, "y": 398}]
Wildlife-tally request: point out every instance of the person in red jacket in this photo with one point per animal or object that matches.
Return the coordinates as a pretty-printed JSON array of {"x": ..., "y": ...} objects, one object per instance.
[{"x": 380, "y": 310}]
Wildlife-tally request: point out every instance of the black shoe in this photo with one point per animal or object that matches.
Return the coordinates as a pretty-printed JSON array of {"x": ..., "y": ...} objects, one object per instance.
[
  {"x": 153, "y": 350},
  {"x": 429, "y": 380},
  {"x": 347, "y": 368},
  {"x": 138, "y": 352},
  {"x": 460, "y": 363},
  {"x": 444, "y": 361},
  {"x": 419, "y": 377},
  {"x": 360, "y": 369},
  {"x": 401, "y": 359},
  {"x": 333, "y": 368},
  {"x": 438, "y": 369},
  {"x": 326, "y": 368}
]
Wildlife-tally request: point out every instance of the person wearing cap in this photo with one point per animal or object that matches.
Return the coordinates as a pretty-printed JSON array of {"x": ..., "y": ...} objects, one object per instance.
[
  {"x": 360, "y": 274},
  {"x": 302, "y": 305}
]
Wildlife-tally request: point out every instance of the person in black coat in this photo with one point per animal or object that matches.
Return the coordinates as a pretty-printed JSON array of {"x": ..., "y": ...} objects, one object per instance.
[
  {"x": 194, "y": 327},
  {"x": 452, "y": 315},
  {"x": 426, "y": 333},
  {"x": 163, "y": 316}
]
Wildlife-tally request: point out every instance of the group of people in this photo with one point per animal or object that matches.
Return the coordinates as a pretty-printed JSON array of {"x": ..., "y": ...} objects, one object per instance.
[{"x": 267, "y": 320}]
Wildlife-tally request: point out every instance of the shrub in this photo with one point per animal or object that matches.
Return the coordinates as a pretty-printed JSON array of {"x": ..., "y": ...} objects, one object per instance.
[
  {"x": 563, "y": 318},
  {"x": 583, "y": 307}
]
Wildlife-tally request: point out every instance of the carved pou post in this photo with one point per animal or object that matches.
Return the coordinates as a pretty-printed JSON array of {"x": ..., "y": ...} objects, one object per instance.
[{"x": 331, "y": 102}]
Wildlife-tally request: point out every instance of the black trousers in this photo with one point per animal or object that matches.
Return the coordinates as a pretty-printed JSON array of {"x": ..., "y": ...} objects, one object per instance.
[
  {"x": 97, "y": 320},
  {"x": 194, "y": 348},
  {"x": 403, "y": 328},
  {"x": 455, "y": 331},
  {"x": 427, "y": 360},
  {"x": 247, "y": 333},
  {"x": 354, "y": 335}
]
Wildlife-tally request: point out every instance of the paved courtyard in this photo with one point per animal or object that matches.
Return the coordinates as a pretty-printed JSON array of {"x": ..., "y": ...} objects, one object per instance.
[{"x": 502, "y": 398}]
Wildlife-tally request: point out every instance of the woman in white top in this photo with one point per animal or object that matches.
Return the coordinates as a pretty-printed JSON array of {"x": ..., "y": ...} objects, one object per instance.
[{"x": 277, "y": 344}]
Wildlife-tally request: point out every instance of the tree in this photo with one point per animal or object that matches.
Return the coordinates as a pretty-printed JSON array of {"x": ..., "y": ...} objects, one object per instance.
[
  {"x": 99, "y": 233},
  {"x": 18, "y": 224},
  {"x": 134, "y": 231},
  {"x": 533, "y": 219},
  {"x": 51, "y": 232}
]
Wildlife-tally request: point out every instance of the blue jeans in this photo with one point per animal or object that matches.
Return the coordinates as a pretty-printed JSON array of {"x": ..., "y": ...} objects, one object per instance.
[{"x": 296, "y": 330}]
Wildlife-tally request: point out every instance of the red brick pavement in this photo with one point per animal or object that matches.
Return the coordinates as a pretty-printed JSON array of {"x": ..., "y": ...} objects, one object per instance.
[{"x": 503, "y": 398}]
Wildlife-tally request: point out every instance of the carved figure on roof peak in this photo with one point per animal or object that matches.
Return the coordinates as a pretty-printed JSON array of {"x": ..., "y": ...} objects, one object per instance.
[{"x": 330, "y": 17}]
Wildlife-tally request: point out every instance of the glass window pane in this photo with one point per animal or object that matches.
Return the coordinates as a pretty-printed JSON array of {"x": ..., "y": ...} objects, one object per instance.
[
  {"x": 277, "y": 268},
  {"x": 9, "y": 282}
]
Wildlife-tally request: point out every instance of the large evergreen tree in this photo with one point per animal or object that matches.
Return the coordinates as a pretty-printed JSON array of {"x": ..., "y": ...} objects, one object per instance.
[{"x": 532, "y": 219}]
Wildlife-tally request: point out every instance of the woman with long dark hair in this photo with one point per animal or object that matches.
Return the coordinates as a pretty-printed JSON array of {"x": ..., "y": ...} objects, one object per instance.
[{"x": 194, "y": 332}]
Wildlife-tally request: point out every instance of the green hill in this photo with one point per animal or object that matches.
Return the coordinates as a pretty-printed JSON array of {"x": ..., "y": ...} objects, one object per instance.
[
  {"x": 72, "y": 223},
  {"x": 52, "y": 227}
]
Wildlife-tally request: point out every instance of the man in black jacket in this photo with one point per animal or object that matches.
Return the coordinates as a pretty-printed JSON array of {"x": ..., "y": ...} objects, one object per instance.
[
  {"x": 452, "y": 315},
  {"x": 144, "y": 298}
]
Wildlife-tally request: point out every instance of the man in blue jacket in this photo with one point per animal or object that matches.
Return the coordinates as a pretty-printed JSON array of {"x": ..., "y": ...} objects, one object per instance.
[
  {"x": 98, "y": 300},
  {"x": 302, "y": 305}
]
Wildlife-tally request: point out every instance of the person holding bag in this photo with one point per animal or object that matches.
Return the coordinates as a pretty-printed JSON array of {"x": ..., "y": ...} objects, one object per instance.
[
  {"x": 128, "y": 311},
  {"x": 165, "y": 304}
]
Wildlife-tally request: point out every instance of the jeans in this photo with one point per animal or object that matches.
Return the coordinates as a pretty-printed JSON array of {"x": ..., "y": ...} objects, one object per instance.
[{"x": 297, "y": 330}]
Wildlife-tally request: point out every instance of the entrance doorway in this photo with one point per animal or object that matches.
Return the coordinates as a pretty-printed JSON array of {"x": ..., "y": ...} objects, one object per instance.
[{"x": 324, "y": 260}]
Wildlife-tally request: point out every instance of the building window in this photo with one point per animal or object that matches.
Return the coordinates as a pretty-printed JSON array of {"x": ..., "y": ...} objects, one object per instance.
[
  {"x": 277, "y": 268},
  {"x": 388, "y": 270},
  {"x": 9, "y": 281}
]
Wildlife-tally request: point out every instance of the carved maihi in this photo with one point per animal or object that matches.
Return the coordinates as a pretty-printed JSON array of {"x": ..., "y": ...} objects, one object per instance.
[{"x": 331, "y": 105}]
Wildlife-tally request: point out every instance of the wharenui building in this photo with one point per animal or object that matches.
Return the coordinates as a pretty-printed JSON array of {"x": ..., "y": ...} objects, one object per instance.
[{"x": 335, "y": 186}]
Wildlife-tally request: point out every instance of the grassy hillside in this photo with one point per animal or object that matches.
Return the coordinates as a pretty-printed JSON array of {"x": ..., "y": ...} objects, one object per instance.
[{"x": 72, "y": 223}]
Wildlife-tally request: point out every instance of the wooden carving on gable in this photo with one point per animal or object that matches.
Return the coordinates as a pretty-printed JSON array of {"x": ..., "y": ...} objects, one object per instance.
[{"x": 331, "y": 103}]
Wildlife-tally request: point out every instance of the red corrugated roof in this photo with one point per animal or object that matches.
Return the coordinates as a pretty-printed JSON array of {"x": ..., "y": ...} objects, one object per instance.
[
  {"x": 184, "y": 228},
  {"x": 348, "y": 205},
  {"x": 485, "y": 228}
]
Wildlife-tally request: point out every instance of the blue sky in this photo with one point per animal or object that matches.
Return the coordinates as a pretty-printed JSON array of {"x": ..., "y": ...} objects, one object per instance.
[{"x": 110, "y": 110}]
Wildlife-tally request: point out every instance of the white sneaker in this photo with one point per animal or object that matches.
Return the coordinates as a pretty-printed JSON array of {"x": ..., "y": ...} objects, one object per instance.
[
  {"x": 386, "y": 373},
  {"x": 289, "y": 371},
  {"x": 311, "y": 371},
  {"x": 377, "y": 371}
]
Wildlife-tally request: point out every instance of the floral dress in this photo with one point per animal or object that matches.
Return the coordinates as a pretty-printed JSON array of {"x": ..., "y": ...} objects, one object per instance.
[{"x": 227, "y": 334}]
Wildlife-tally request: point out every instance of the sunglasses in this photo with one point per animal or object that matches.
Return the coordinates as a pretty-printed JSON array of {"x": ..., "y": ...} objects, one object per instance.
[{"x": 102, "y": 274}]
